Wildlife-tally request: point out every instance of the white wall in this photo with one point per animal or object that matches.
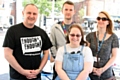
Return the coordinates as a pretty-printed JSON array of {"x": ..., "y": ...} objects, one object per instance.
[{"x": 19, "y": 8}]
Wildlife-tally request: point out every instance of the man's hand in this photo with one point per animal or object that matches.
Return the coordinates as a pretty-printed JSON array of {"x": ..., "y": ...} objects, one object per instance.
[
  {"x": 33, "y": 74},
  {"x": 30, "y": 74}
]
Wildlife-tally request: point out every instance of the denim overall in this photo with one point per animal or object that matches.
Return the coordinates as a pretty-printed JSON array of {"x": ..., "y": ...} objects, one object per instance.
[{"x": 73, "y": 64}]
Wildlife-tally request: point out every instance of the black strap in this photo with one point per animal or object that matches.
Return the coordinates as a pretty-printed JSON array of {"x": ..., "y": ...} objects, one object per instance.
[
  {"x": 95, "y": 41},
  {"x": 96, "y": 48}
]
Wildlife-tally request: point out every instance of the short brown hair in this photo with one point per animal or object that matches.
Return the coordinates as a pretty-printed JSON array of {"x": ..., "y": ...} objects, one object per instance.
[
  {"x": 30, "y": 4},
  {"x": 68, "y": 2}
]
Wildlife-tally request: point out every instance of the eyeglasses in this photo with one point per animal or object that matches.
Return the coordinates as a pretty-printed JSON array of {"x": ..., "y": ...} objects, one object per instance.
[
  {"x": 73, "y": 35},
  {"x": 102, "y": 18}
]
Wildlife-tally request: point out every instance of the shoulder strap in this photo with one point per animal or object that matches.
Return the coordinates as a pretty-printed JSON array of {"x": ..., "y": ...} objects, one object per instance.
[
  {"x": 82, "y": 48},
  {"x": 95, "y": 41},
  {"x": 65, "y": 50},
  {"x": 96, "y": 48}
]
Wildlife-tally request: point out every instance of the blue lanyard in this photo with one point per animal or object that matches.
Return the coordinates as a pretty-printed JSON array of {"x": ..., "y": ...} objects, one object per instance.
[{"x": 100, "y": 45}]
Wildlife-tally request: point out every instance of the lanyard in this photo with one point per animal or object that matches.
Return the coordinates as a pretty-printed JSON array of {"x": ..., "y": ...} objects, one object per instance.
[
  {"x": 64, "y": 28},
  {"x": 100, "y": 45}
]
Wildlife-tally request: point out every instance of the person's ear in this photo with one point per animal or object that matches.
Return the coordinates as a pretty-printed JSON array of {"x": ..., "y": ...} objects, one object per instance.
[
  {"x": 74, "y": 11},
  {"x": 62, "y": 11},
  {"x": 22, "y": 12}
]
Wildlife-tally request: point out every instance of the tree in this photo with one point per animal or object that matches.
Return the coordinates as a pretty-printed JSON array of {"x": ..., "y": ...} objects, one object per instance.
[
  {"x": 81, "y": 13},
  {"x": 44, "y": 6},
  {"x": 58, "y": 7}
]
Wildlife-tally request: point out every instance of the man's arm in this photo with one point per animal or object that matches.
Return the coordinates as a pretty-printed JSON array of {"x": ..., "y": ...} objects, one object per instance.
[
  {"x": 12, "y": 61},
  {"x": 44, "y": 59},
  {"x": 8, "y": 53},
  {"x": 43, "y": 62}
]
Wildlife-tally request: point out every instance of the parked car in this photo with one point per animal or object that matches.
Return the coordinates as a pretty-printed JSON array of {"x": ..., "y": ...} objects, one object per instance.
[{"x": 4, "y": 27}]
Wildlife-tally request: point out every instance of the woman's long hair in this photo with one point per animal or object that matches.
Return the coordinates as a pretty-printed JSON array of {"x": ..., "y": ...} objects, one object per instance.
[{"x": 110, "y": 26}]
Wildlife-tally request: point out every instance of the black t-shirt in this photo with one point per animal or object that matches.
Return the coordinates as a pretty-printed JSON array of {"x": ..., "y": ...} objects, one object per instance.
[{"x": 27, "y": 45}]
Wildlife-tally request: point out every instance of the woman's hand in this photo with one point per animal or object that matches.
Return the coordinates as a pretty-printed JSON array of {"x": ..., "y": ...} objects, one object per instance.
[
  {"x": 94, "y": 71},
  {"x": 98, "y": 71}
]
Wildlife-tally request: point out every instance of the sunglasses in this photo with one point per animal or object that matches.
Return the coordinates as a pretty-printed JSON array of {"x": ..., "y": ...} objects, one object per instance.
[
  {"x": 73, "y": 35},
  {"x": 102, "y": 18}
]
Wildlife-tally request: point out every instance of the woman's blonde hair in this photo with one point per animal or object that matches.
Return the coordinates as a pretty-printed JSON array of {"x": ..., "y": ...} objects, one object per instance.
[{"x": 110, "y": 25}]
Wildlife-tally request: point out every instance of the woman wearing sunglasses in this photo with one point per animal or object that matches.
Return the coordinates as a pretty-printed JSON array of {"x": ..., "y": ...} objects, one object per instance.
[
  {"x": 74, "y": 60},
  {"x": 104, "y": 45}
]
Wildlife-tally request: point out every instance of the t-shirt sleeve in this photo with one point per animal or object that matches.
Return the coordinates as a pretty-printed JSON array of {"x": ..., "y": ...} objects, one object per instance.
[
  {"x": 47, "y": 43},
  {"x": 59, "y": 55},
  {"x": 115, "y": 43},
  {"x": 9, "y": 40},
  {"x": 87, "y": 53}
]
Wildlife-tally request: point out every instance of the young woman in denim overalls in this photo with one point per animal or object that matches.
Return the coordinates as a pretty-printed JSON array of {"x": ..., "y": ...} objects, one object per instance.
[{"x": 74, "y": 61}]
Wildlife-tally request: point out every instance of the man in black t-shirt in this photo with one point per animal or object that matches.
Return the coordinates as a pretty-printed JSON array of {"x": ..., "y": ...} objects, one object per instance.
[{"x": 22, "y": 47}]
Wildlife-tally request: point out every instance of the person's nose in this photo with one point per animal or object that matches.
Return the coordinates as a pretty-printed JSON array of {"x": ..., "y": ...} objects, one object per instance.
[
  {"x": 68, "y": 11},
  {"x": 31, "y": 15}
]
